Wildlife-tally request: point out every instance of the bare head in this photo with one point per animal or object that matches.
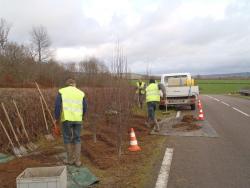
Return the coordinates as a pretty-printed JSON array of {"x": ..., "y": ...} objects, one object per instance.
[
  {"x": 151, "y": 81},
  {"x": 70, "y": 82}
]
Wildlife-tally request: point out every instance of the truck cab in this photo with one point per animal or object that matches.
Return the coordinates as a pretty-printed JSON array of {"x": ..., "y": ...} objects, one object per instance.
[{"x": 180, "y": 90}]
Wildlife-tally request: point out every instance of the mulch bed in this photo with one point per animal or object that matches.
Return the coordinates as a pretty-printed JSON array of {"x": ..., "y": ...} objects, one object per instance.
[
  {"x": 187, "y": 124},
  {"x": 103, "y": 154}
]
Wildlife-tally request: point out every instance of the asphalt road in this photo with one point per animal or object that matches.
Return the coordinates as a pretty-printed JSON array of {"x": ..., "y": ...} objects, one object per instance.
[{"x": 223, "y": 162}]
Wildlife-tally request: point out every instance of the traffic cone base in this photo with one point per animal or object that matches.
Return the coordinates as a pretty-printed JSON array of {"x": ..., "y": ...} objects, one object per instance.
[
  {"x": 201, "y": 115},
  {"x": 133, "y": 142},
  {"x": 199, "y": 125},
  {"x": 134, "y": 148}
]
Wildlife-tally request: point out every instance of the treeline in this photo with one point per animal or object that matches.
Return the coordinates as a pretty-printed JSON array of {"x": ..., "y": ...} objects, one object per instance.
[{"x": 22, "y": 64}]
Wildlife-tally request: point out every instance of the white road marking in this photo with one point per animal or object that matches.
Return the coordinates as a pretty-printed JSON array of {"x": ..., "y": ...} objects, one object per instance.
[
  {"x": 225, "y": 103},
  {"x": 178, "y": 114},
  {"x": 229, "y": 106},
  {"x": 216, "y": 99},
  {"x": 162, "y": 180},
  {"x": 241, "y": 112},
  {"x": 213, "y": 98},
  {"x": 209, "y": 96}
]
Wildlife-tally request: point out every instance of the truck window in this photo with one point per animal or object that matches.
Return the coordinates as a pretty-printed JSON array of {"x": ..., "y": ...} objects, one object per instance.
[{"x": 175, "y": 81}]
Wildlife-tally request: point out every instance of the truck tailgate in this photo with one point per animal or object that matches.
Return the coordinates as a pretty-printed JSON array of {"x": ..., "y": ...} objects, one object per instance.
[{"x": 182, "y": 91}]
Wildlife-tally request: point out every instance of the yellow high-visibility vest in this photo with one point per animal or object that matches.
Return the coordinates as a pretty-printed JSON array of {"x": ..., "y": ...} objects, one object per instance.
[
  {"x": 71, "y": 104},
  {"x": 152, "y": 93},
  {"x": 140, "y": 87}
]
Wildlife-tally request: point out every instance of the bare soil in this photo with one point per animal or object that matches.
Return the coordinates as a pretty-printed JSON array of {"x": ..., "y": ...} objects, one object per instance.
[
  {"x": 128, "y": 170},
  {"x": 187, "y": 124},
  {"x": 9, "y": 171}
]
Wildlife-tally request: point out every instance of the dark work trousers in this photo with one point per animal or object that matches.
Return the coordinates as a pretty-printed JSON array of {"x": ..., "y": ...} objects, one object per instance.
[
  {"x": 151, "y": 110},
  {"x": 141, "y": 99},
  {"x": 71, "y": 132}
]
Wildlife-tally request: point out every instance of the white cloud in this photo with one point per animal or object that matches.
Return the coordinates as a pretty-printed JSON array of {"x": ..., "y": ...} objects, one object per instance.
[{"x": 170, "y": 35}]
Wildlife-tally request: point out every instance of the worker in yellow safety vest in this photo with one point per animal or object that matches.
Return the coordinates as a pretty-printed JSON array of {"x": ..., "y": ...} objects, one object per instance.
[
  {"x": 140, "y": 91},
  {"x": 70, "y": 107},
  {"x": 153, "y": 96}
]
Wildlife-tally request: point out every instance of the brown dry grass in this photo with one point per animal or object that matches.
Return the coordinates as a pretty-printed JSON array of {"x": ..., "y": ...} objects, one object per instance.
[{"x": 99, "y": 101}]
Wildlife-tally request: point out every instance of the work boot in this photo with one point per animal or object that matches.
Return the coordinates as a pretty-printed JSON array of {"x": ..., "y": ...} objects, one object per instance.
[
  {"x": 147, "y": 124},
  {"x": 156, "y": 126},
  {"x": 78, "y": 155},
  {"x": 150, "y": 123},
  {"x": 70, "y": 157}
]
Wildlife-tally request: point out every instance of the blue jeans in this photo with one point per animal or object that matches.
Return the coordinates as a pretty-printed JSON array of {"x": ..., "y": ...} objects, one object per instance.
[
  {"x": 151, "y": 110},
  {"x": 71, "y": 132}
]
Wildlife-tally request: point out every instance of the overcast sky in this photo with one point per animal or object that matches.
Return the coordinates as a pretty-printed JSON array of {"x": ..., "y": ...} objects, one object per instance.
[{"x": 197, "y": 36}]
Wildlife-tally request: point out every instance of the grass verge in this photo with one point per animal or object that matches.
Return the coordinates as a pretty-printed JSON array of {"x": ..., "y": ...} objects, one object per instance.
[{"x": 222, "y": 86}]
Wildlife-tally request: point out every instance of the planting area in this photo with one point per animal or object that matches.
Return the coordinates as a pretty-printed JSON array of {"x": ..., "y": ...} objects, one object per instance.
[
  {"x": 222, "y": 86},
  {"x": 105, "y": 137},
  {"x": 187, "y": 123}
]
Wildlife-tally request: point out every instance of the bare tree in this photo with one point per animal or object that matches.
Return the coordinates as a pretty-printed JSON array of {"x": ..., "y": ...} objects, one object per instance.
[
  {"x": 41, "y": 43},
  {"x": 15, "y": 53},
  {"x": 93, "y": 71},
  {"x": 119, "y": 66},
  {"x": 4, "y": 32}
]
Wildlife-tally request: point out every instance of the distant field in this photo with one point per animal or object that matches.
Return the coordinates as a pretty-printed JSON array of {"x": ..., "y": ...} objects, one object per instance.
[
  {"x": 217, "y": 86},
  {"x": 222, "y": 86}
]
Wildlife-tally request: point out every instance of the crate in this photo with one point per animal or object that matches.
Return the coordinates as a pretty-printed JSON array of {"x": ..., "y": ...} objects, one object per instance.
[{"x": 43, "y": 177}]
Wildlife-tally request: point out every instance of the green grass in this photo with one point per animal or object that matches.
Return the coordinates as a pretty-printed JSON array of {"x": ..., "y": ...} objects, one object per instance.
[
  {"x": 241, "y": 96},
  {"x": 222, "y": 86},
  {"x": 159, "y": 114},
  {"x": 217, "y": 86}
]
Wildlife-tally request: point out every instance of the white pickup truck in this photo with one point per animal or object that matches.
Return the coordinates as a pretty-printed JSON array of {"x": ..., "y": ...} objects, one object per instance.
[{"x": 180, "y": 90}]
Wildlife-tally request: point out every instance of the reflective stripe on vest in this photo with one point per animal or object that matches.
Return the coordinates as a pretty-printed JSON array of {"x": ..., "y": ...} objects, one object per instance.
[
  {"x": 140, "y": 87},
  {"x": 71, "y": 104},
  {"x": 152, "y": 93}
]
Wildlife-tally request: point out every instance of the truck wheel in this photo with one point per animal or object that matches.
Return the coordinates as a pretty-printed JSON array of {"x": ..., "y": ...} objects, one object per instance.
[
  {"x": 162, "y": 107},
  {"x": 192, "y": 106}
]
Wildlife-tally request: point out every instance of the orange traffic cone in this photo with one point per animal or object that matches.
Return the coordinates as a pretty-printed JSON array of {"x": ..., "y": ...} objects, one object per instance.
[
  {"x": 133, "y": 142},
  {"x": 199, "y": 104},
  {"x": 201, "y": 115}
]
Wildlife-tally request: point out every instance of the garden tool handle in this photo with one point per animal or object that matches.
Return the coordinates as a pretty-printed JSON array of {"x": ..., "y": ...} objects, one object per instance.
[
  {"x": 21, "y": 119},
  {"x": 7, "y": 134},
  {"x": 8, "y": 118},
  {"x": 52, "y": 119}
]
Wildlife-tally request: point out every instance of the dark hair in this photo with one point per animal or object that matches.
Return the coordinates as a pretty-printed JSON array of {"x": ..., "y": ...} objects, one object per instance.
[
  {"x": 70, "y": 82},
  {"x": 151, "y": 81}
]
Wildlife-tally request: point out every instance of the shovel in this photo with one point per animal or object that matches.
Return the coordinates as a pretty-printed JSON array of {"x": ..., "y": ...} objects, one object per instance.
[
  {"x": 47, "y": 136},
  {"x": 15, "y": 150},
  {"x": 31, "y": 146},
  {"x": 21, "y": 148},
  {"x": 166, "y": 111},
  {"x": 56, "y": 130}
]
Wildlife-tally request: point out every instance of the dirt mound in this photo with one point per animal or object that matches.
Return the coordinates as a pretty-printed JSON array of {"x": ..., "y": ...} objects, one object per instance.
[
  {"x": 187, "y": 124},
  {"x": 9, "y": 171},
  {"x": 184, "y": 126},
  {"x": 100, "y": 153},
  {"x": 103, "y": 154},
  {"x": 188, "y": 118}
]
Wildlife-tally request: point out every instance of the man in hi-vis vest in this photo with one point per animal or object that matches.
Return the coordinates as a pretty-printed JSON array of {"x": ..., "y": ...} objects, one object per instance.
[
  {"x": 153, "y": 96},
  {"x": 70, "y": 108},
  {"x": 140, "y": 91}
]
